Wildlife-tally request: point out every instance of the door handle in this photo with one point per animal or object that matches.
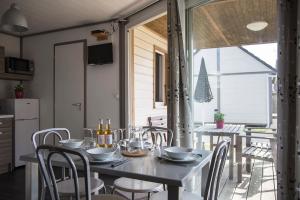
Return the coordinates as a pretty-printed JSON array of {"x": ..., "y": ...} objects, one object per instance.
[{"x": 77, "y": 105}]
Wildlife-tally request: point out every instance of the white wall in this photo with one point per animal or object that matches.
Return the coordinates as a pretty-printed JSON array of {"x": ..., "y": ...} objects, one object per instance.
[
  {"x": 244, "y": 98},
  {"x": 102, "y": 81},
  {"x": 12, "y": 48}
]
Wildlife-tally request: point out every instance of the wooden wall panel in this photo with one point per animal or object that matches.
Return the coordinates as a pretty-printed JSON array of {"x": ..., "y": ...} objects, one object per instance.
[{"x": 144, "y": 42}]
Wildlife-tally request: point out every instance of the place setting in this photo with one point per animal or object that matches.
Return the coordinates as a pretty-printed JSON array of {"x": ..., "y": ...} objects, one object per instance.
[{"x": 178, "y": 154}]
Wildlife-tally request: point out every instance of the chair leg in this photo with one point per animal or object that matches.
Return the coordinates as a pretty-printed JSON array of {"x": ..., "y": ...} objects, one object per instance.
[
  {"x": 113, "y": 190},
  {"x": 132, "y": 196},
  {"x": 42, "y": 193},
  {"x": 148, "y": 195},
  {"x": 104, "y": 189}
]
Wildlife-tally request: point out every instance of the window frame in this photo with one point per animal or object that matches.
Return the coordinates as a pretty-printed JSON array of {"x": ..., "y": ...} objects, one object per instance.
[{"x": 164, "y": 54}]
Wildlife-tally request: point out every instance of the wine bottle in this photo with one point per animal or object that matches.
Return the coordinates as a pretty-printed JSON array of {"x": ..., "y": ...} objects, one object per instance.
[
  {"x": 100, "y": 134},
  {"x": 108, "y": 135}
]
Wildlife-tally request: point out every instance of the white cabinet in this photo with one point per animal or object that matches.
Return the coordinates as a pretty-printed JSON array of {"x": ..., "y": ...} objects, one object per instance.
[
  {"x": 26, "y": 122},
  {"x": 23, "y": 132},
  {"x": 26, "y": 109}
]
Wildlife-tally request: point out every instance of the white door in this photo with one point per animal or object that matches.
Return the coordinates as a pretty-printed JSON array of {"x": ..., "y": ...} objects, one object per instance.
[{"x": 69, "y": 80}]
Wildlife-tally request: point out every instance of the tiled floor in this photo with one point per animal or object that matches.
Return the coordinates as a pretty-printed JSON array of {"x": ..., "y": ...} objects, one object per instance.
[
  {"x": 259, "y": 184},
  {"x": 12, "y": 186}
]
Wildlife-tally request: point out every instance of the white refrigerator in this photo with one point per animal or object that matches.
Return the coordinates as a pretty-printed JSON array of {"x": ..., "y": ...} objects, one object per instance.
[{"x": 26, "y": 122}]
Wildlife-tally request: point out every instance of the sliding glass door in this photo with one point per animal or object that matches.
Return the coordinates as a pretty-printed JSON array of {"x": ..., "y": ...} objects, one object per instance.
[{"x": 231, "y": 48}]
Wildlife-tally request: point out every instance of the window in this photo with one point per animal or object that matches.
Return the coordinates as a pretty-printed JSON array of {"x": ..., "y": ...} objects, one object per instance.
[
  {"x": 159, "y": 85},
  {"x": 160, "y": 77}
]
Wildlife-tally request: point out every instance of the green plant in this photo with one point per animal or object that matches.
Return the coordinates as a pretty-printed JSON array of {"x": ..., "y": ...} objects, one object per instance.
[
  {"x": 19, "y": 87},
  {"x": 219, "y": 116}
]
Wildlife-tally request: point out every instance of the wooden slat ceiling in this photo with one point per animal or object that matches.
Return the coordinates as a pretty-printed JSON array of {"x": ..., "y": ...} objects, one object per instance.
[
  {"x": 159, "y": 26},
  {"x": 223, "y": 23}
]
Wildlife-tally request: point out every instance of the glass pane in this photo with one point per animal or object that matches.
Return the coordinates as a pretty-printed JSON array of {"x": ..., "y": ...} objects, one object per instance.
[{"x": 235, "y": 41}]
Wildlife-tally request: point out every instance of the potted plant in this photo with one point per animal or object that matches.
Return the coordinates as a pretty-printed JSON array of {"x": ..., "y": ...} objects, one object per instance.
[
  {"x": 219, "y": 120},
  {"x": 19, "y": 91}
]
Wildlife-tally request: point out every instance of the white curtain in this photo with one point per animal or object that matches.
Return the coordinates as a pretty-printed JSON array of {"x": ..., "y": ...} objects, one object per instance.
[{"x": 179, "y": 111}]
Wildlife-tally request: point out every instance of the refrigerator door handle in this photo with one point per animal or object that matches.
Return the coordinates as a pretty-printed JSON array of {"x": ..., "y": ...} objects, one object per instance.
[{"x": 26, "y": 119}]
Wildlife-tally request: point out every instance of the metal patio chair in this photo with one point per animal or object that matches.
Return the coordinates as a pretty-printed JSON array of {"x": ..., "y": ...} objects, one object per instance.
[
  {"x": 213, "y": 180},
  {"x": 81, "y": 188},
  {"x": 64, "y": 183},
  {"x": 134, "y": 186}
]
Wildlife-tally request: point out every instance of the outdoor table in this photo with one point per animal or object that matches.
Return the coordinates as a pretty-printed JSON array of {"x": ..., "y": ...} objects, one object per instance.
[
  {"x": 148, "y": 168},
  {"x": 229, "y": 130}
]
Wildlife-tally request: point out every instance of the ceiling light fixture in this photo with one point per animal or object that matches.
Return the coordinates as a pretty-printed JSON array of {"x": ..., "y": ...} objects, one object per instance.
[
  {"x": 257, "y": 26},
  {"x": 14, "y": 20}
]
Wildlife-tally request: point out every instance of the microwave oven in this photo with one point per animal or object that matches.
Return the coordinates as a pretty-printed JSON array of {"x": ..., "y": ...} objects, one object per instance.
[{"x": 19, "y": 66}]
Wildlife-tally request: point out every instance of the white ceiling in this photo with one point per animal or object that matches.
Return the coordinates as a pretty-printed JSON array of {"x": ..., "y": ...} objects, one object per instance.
[{"x": 45, "y": 15}]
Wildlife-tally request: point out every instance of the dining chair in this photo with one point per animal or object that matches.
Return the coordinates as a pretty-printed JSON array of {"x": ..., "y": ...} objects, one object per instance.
[
  {"x": 165, "y": 135},
  {"x": 64, "y": 183},
  {"x": 134, "y": 186},
  {"x": 214, "y": 176},
  {"x": 81, "y": 189}
]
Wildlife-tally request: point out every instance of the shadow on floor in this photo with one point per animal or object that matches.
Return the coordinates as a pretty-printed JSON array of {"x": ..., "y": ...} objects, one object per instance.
[{"x": 12, "y": 186}]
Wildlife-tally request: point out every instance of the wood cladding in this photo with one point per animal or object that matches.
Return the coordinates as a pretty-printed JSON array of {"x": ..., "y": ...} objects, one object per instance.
[
  {"x": 144, "y": 43},
  {"x": 222, "y": 24},
  {"x": 159, "y": 26},
  {"x": 6, "y": 145}
]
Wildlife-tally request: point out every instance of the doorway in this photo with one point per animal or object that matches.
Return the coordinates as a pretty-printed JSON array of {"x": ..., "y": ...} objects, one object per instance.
[
  {"x": 148, "y": 77},
  {"x": 70, "y": 78}
]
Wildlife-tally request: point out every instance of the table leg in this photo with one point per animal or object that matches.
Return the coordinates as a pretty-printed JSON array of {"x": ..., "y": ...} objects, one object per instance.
[
  {"x": 31, "y": 181},
  {"x": 248, "y": 144},
  {"x": 231, "y": 158},
  {"x": 211, "y": 146},
  {"x": 95, "y": 175},
  {"x": 173, "y": 193},
  {"x": 239, "y": 158},
  {"x": 204, "y": 176}
]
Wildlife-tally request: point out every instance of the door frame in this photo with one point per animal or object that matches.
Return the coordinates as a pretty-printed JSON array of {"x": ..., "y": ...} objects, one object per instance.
[
  {"x": 84, "y": 42},
  {"x": 155, "y": 10}
]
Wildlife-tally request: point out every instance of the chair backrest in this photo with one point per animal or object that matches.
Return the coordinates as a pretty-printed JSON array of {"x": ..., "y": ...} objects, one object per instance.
[
  {"x": 215, "y": 170},
  {"x": 46, "y": 155},
  {"x": 159, "y": 132},
  {"x": 40, "y": 137}
]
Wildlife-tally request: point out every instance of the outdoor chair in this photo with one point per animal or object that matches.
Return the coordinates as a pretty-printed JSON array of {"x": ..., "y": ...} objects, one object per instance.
[
  {"x": 64, "y": 183},
  {"x": 260, "y": 145},
  {"x": 159, "y": 121},
  {"x": 214, "y": 176},
  {"x": 81, "y": 187}
]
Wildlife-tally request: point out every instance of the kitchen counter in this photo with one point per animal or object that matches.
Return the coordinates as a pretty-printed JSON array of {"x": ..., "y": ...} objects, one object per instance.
[{"x": 6, "y": 116}]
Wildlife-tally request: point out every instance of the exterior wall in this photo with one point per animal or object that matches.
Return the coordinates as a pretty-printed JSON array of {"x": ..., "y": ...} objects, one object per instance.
[
  {"x": 12, "y": 48},
  {"x": 102, "y": 81},
  {"x": 244, "y": 98},
  {"x": 143, "y": 67}
]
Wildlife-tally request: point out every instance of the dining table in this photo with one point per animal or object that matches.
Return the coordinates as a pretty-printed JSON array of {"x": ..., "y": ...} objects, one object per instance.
[
  {"x": 147, "y": 168},
  {"x": 229, "y": 130}
]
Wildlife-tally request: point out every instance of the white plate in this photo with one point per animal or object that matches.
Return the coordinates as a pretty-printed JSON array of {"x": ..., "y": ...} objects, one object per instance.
[
  {"x": 178, "y": 153},
  {"x": 111, "y": 159},
  {"x": 100, "y": 153},
  {"x": 190, "y": 158},
  {"x": 71, "y": 143}
]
